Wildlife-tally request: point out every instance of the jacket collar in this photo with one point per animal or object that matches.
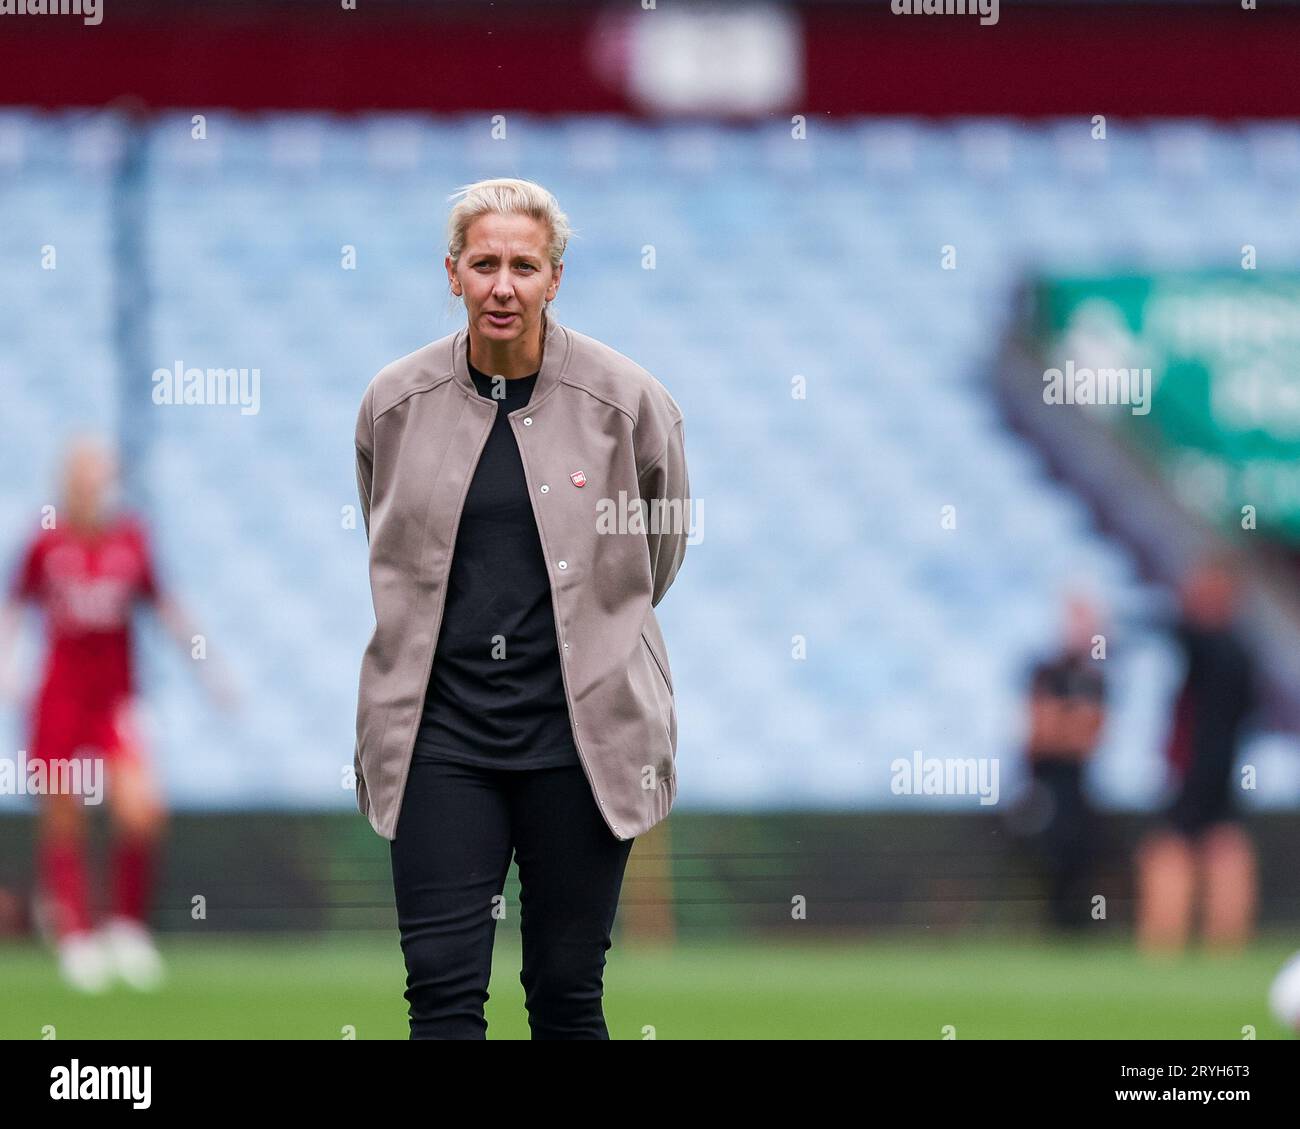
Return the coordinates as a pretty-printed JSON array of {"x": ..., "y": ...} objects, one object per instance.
[{"x": 553, "y": 349}]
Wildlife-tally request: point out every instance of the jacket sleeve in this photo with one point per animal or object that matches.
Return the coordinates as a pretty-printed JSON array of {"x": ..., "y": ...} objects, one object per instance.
[
  {"x": 365, "y": 444},
  {"x": 666, "y": 491}
]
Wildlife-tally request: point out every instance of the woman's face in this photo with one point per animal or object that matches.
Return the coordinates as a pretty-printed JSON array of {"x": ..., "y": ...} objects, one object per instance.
[
  {"x": 90, "y": 474},
  {"x": 504, "y": 269},
  {"x": 1209, "y": 594}
]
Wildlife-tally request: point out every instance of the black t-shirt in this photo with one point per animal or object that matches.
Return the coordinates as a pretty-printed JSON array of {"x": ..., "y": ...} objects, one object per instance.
[
  {"x": 1072, "y": 678},
  {"x": 1069, "y": 676},
  {"x": 1216, "y": 699},
  {"x": 496, "y": 692}
]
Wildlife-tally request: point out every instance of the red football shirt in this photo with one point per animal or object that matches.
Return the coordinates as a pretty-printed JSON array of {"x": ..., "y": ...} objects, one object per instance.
[{"x": 87, "y": 583}]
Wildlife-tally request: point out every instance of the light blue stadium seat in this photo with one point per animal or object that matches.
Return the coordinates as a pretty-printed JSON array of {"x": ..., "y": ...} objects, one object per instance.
[{"x": 821, "y": 515}]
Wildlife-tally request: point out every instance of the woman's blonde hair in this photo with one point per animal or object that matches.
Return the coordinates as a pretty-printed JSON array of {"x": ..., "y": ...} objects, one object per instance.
[{"x": 507, "y": 196}]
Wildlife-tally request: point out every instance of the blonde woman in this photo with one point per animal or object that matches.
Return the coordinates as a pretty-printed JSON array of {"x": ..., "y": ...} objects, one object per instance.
[
  {"x": 87, "y": 572},
  {"x": 524, "y": 491}
]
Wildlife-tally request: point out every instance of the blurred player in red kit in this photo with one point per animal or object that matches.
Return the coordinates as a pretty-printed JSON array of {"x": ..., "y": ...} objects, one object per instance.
[{"x": 86, "y": 572}]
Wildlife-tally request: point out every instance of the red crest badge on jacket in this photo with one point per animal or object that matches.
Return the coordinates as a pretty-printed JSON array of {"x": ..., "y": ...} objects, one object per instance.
[{"x": 578, "y": 478}]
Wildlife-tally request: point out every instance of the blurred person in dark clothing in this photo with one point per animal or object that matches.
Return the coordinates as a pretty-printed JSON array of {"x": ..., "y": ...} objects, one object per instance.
[
  {"x": 1067, "y": 702},
  {"x": 1201, "y": 828}
]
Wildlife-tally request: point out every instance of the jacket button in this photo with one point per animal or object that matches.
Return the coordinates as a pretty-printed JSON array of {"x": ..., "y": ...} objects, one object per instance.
[
  {"x": 545, "y": 489},
  {"x": 563, "y": 564},
  {"x": 528, "y": 421}
]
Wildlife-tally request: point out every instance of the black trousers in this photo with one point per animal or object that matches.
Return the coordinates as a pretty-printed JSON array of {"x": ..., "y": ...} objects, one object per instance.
[
  {"x": 1066, "y": 843},
  {"x": 457, "y": 830}
]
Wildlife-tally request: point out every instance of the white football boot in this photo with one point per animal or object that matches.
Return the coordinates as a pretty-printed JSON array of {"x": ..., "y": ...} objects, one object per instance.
[
  {"x": 84, "y": 963},
  {"x": 132, "y": 952}
]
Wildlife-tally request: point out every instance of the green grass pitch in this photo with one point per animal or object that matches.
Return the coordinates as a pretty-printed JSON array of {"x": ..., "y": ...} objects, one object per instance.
[{"x": 327, "y": 987}]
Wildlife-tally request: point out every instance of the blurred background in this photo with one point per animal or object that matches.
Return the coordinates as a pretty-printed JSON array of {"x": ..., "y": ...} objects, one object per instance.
[{"x": 851, "y": 242}]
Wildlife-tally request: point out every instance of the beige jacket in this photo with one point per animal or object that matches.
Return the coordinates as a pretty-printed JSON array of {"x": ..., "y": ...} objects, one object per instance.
[{"x": 598, "y": 435}]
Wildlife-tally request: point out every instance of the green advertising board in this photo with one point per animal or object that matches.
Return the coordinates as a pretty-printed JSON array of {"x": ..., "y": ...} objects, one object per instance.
[{"x": 1200, "y": 371}]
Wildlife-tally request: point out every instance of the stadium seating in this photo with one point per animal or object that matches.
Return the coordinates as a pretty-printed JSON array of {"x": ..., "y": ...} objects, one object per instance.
[{"x": 777, "y": 264}]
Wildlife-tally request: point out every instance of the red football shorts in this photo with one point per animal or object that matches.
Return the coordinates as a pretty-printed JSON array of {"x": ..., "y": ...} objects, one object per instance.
[{"x": 65, "y": 726}]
